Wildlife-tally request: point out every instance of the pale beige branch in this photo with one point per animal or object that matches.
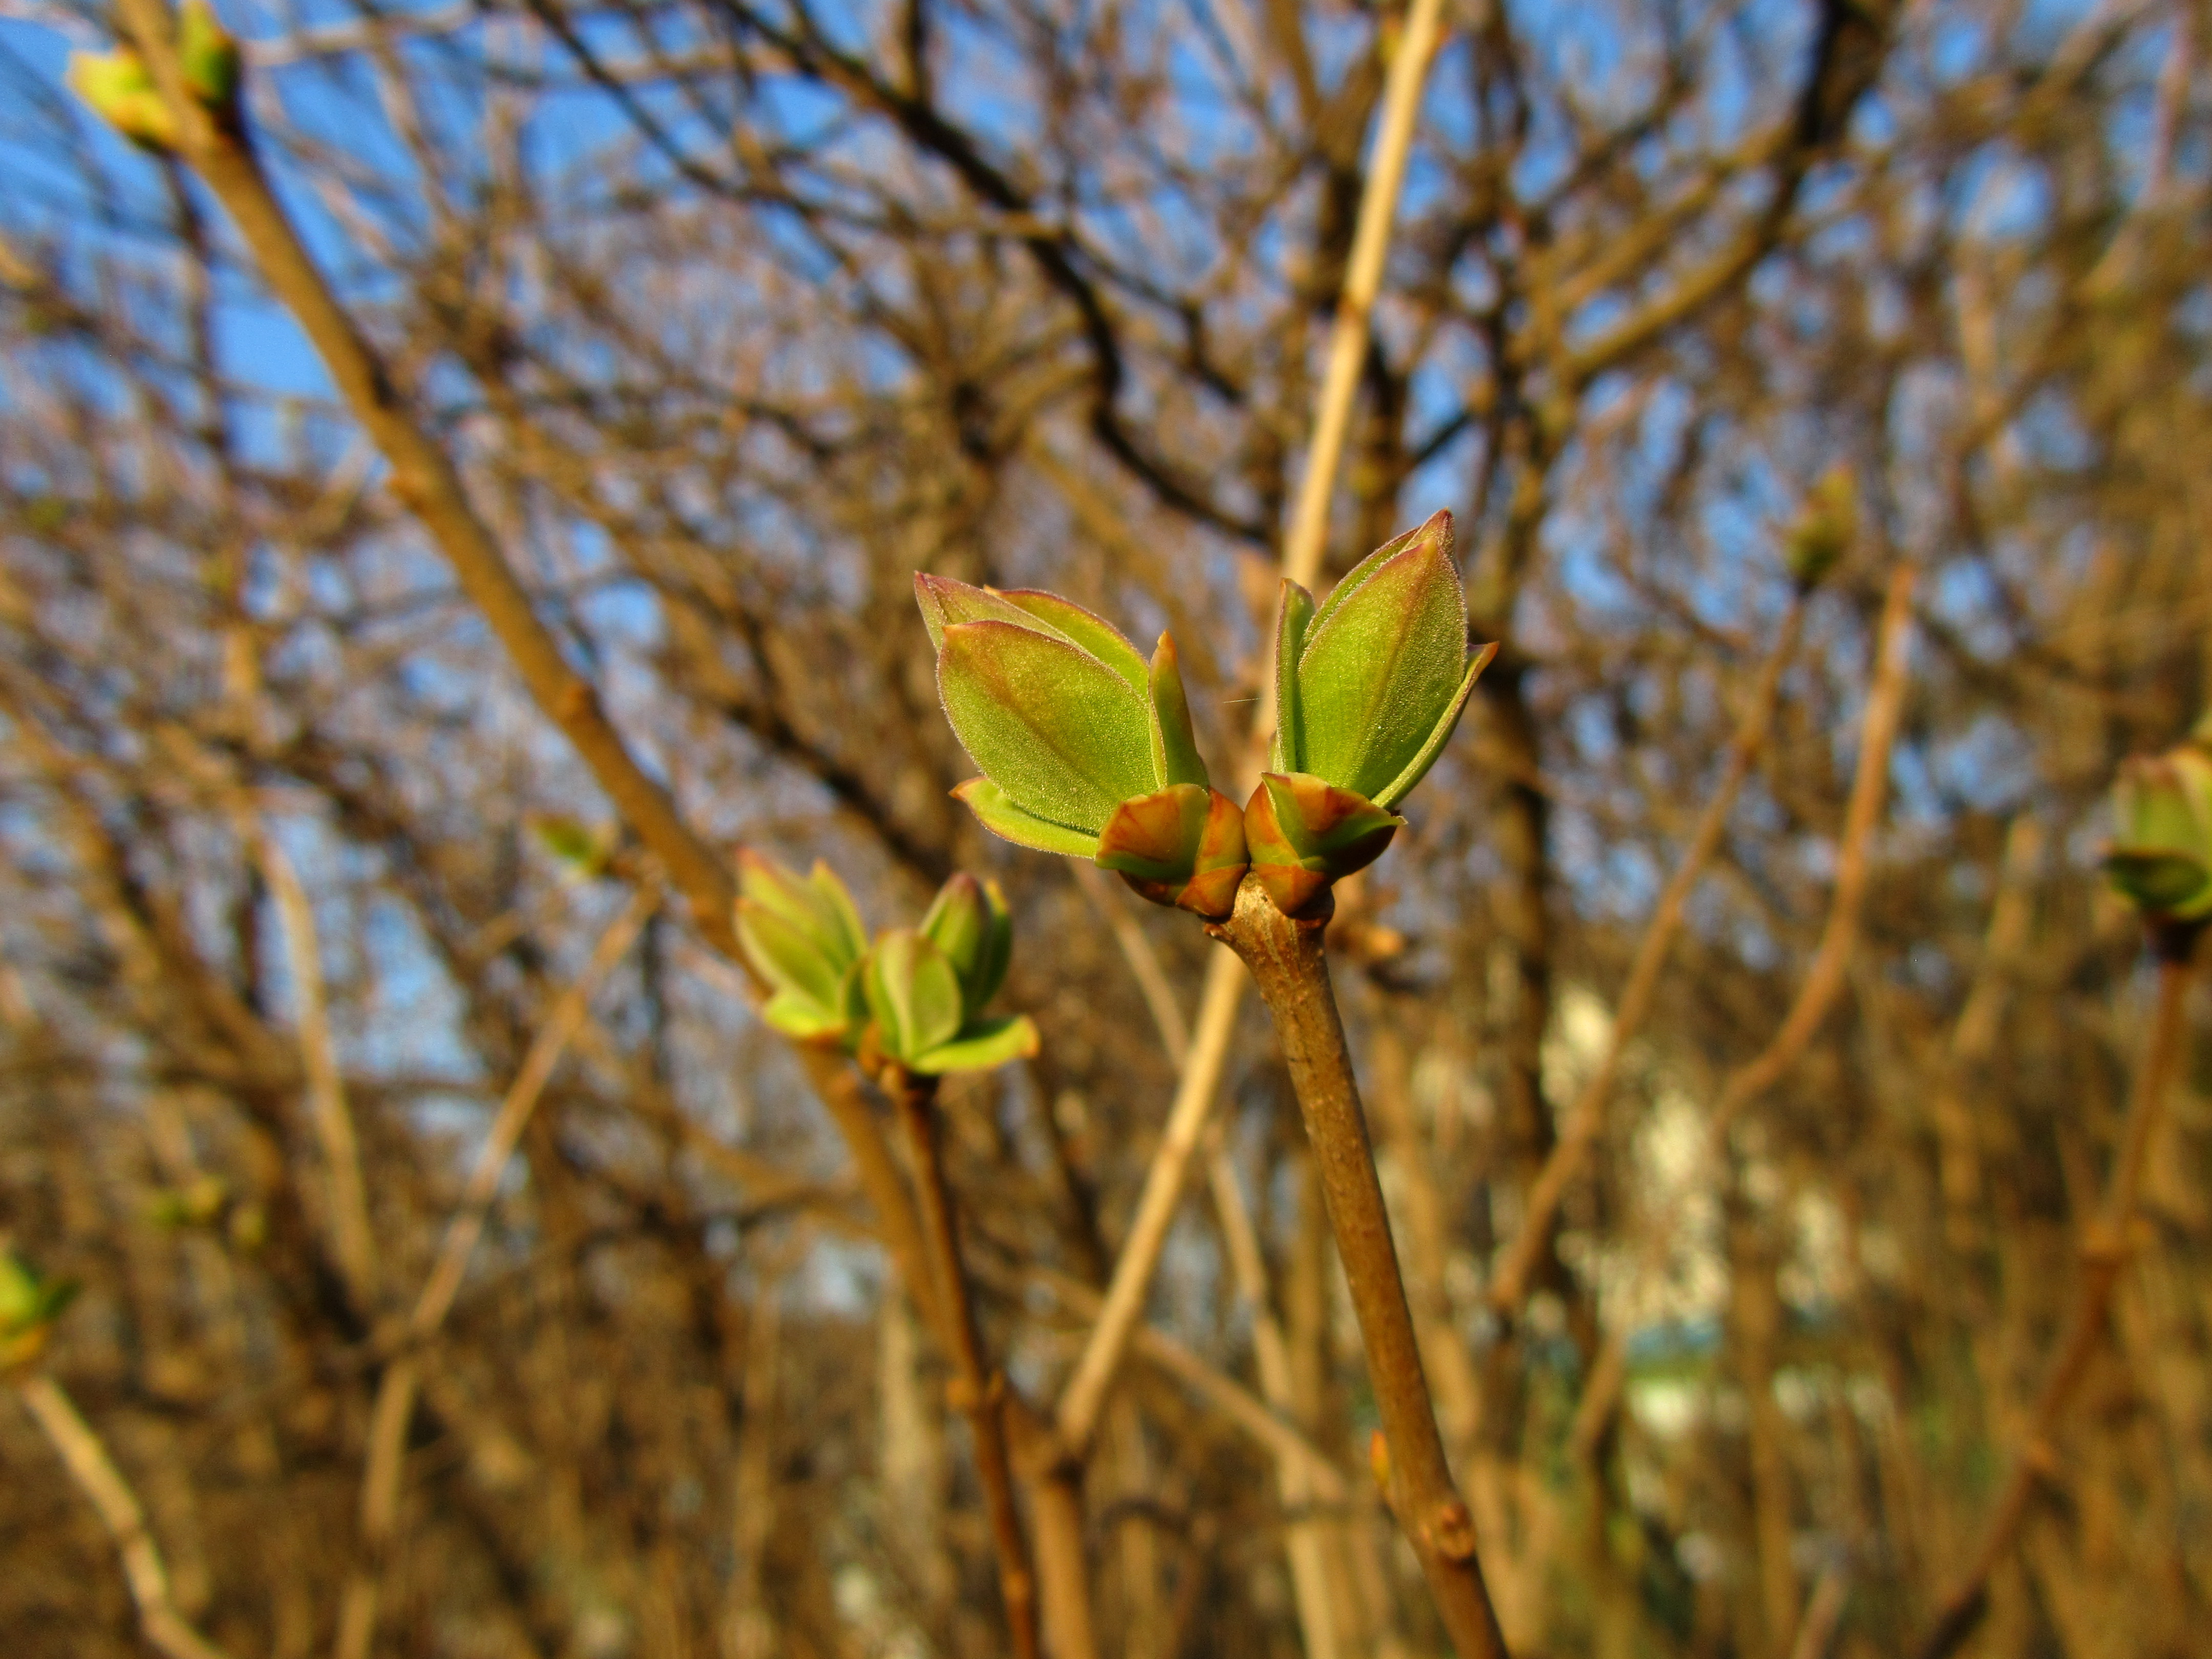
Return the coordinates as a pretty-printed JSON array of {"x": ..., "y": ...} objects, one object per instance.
[{"x": 85, "y": 1456}]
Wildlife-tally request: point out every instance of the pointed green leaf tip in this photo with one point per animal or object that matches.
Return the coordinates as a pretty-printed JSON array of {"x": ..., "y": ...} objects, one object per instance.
[
  {"x": 805, "y": 938},
  {"x": 1075, "y": 732},
  {"x": 969, "y": 922},
  {"x": 2160, "y": 857},
  {"x": 1369, "y": 686}
]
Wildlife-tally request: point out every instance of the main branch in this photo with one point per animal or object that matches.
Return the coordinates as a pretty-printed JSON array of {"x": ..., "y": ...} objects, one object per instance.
[{"x": 1284, "y": 954}]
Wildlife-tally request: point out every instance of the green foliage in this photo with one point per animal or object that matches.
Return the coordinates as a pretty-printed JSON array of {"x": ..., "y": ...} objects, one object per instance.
[
  {"x": 927, "y": 987},
  {"x": 1087, "y": 749}
]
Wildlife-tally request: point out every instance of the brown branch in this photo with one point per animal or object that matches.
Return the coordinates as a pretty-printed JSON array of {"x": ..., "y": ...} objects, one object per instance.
[
  {"x": 2104, "y": 1253},
  {"x": 85, "y": 1456},
  {"x": 977, "y": 1390},
  {"x": 1585, "y": 1118},
  {"x": 1283, "y": 955},
  {"x": 425, "y": 480}
]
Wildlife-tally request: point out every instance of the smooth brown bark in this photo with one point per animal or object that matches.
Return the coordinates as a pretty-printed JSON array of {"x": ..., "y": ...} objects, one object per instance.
[
  {"x": 979, "y": 1392},
  {"x": 1284, "y": 954}
]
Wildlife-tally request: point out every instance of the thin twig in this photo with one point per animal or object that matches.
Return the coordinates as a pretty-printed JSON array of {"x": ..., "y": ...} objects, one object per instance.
[
  {"x": 85, "y": 1456},
  {"x": 2104, "y": 1253},
  {"x": 394, "y": 1407},
  {"x": 351, "y": 1240},
  {"x": 1824, "y": 979},
  {"x": 977, "y": 1391},
  {"x": 1284, "y": 957},
  {"x": 1579, "y": 1131}
]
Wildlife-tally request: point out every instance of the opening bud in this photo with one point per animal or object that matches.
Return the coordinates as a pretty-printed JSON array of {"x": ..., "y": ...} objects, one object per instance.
[
  {"x": 805, "y": 938},
  {"x": 2161, "y": 853},
  {"x": 1087, "y": 749},
  {"x": 1826, "y": 526},
  {"x": 922, "y": 1013}
]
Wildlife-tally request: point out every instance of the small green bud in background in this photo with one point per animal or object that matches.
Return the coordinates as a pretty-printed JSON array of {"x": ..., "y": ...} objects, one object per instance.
[
  {"x": 1368, "y": 690},
  {"x": 1087, "y": 749},
  {"x": 30, "y": 1302},
  {"x": 805, "y": 938},
  {"x": 200, "y": 1203},
  {"x": 1826, "y": 526},
  {"x": 118, "y": 88},
  {"x": 927, "y": 987},
  {"x": 586, "y": 849},
  {"x": 209, "y": 59},
  {"x": 2160, "y": 858},
  {"x": 121, "y": 90}
]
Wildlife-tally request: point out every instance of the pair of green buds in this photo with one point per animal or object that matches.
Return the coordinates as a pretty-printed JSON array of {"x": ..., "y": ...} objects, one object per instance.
[
  {"x": 2160, "y": 858},
  {"x": 121, "y": 90},
  {"x": 1087, "y": 749},
  {"x": 30, "y": 1302},
  {"x": 913, "y": 996}
]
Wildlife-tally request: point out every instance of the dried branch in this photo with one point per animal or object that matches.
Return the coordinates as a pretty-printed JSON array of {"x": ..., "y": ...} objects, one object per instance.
[{"x": 85, "y": 1456}]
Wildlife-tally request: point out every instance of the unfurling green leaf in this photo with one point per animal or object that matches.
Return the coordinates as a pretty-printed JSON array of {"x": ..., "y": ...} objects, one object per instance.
[
  {"x": 1304, "y": 833},
  {"x": 913, "y": 996},
  {"x": 981, "y": 1047},
  {"x": 805, "y": 938},
  {"x": 208, "y": 57},
  {"x": 1086, "y": 749},
  {"x": 1371, "y": 686},
  {"x": 2161, "y": 853}
]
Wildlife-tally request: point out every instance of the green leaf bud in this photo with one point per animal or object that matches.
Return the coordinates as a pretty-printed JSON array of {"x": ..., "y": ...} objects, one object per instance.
[
  {"x": 1070, "y": 725},
  {"x": 1369, "y": 686},
  {"x": 208, "y": 58},
  {"x": 2160, "y": 857},
  {"x": 969, "y": 922},
  {"x": 118, "y": 88},
  {"x": 805, "y": 938},
  {"x": 1826, "y": 526}
]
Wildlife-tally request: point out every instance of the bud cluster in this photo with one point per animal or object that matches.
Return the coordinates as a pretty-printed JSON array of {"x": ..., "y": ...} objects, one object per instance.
[
  {"x": 914, "y": 998},
  {"x": 1088, "y": 750}
]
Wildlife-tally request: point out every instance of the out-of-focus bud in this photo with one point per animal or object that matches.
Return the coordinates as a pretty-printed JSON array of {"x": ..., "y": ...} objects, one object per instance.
[
  {"x": 30, "y": 1302},
  {"x": 921, "y": 1014},
  {"x": 969, "y": 922},
  {"x": 1368, "y": 690},
  {"x": 586, "y": 850},
  {"x": 1072, "y": 725},
  {"x": 199, "y": 1203},
  {"x": 2161, "y": 853},
  {"x": 805, "y": 938},
  {"x": 1826, "y": 526},
  {"x": 121, "y": 90},
  {"x": 209, "y": 59}
]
